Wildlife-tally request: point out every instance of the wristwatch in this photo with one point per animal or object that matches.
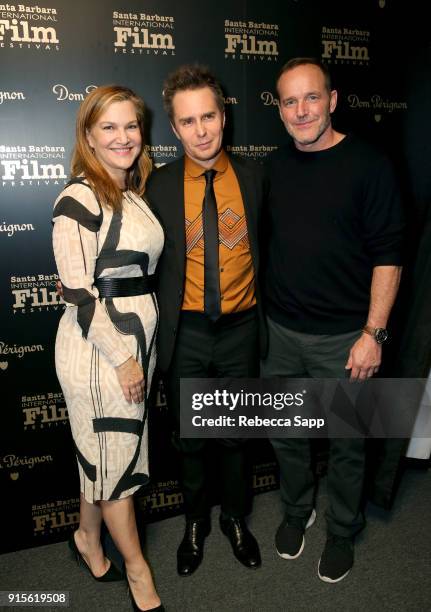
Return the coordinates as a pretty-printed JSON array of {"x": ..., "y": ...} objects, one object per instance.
[{"x": 380, "y": 334}]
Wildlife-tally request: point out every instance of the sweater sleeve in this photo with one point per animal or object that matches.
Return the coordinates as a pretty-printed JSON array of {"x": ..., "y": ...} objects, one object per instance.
[
  {"x": 77, "y": 219},
  {"x": 383, "y": 218}
]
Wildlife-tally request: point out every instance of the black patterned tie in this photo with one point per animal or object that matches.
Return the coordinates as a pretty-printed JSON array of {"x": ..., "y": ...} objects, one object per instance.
[{"x": 211, "y": 245}]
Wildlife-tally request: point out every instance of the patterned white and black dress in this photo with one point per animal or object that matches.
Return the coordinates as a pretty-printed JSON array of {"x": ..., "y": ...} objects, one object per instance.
[{"x": 96, "y": 334}]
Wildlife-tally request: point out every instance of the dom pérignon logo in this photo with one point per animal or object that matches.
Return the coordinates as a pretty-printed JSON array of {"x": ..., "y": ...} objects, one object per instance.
[
  {"x": 11, "y": 96},
  {"x": 11, "y": 229},
  {"x": 375, "y": 103},
  {"x": 63, "y": 93}
]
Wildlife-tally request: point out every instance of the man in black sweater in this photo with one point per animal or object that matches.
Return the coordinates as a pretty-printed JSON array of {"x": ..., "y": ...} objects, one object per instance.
[{"x": 333, "y": 274}]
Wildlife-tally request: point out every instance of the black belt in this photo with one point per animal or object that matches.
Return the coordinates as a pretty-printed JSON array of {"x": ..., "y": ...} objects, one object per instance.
[{"x": 125, "y": 287}]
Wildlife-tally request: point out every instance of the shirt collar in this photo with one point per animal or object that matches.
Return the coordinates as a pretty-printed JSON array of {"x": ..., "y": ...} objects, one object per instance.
[{"x": 194, "y": 170}]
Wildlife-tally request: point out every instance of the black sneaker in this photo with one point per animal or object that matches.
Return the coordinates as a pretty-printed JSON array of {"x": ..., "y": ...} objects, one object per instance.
[
  {"x": 337, "y": 559},
  {"x": 289, "y": 539}
]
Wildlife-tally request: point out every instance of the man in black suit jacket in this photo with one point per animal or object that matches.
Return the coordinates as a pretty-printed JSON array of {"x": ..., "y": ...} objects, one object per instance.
[{"x": 211, "y": 322}]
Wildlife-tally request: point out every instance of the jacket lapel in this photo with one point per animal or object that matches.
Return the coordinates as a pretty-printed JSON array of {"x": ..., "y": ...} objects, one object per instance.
[
  {"x": 246, "y": 182},
  {"x": 176, "y": 226}
]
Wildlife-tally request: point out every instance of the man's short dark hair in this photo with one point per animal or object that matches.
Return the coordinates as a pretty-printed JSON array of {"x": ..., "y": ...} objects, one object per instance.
[
  {"x": 304, "y": 61},
  {"x": 190, "y": 76}
]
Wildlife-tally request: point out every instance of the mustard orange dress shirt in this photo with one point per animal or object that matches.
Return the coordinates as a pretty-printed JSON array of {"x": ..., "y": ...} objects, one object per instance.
[{"x": 237, "y": 287}]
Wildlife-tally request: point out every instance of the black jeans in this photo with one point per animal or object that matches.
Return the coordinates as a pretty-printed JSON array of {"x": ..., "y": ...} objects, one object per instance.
[
  {"x": 299, "y": 355},
  {"x": 226, "y": 348}
]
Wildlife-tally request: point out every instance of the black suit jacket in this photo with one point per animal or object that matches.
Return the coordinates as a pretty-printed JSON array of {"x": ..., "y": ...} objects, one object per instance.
[{"x": 165, "y": 192}]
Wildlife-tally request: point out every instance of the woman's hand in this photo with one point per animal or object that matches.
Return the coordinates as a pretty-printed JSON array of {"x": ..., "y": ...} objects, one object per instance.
[
  {"x": 59, "y": 289},
  {"x": 131, "y": 378}
]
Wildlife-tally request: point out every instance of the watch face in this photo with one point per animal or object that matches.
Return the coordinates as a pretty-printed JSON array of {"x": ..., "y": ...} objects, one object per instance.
[{"x": 381, "y": 335}]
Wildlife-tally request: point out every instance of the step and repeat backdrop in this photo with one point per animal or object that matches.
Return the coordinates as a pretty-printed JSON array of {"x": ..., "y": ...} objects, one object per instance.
[{"x": 52, "y": 53}]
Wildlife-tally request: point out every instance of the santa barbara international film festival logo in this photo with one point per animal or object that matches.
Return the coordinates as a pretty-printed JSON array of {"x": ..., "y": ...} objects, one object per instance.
[
  {"x": 256, "y": 152},
  {"x": 162, "y": 496},
  {"x": 143, "y": 33},
  {"x": 29, "y": 27},
  {"x": 32, "y": 165},
  {"x": 43, "y": 410},
  {"x": 377, "y": 104},
  {"x": 264, "y": 477},
  {"x": 162, "y": 154},
  {"x": 345, "y": 45},
  {"x": 251, "y": 41},
  {"x": 35, "y": 293},
  {"x": 55, "y": 516}
]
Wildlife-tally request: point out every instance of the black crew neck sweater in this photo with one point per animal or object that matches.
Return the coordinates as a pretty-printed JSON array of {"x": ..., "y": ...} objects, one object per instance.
[{"x": 333, "y": 215}]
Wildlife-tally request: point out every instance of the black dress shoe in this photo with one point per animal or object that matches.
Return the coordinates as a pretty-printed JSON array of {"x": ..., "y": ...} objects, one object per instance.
[
  {"x": 244, "y": 545},
  {"x": 190, "y": 551},
  {"x": 112, "y": 575}
]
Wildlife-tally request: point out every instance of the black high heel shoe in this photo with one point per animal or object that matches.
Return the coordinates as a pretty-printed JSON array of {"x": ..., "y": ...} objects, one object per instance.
[
  {"x": 113, "y": 574},
  {"x": 135, "y": 606}
]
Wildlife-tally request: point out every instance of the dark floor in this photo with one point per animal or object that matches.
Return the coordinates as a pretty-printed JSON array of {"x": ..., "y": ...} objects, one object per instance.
[{"x": 392, "y": 570}]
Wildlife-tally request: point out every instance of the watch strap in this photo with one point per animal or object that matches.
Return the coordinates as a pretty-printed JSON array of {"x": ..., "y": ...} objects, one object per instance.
[
  {"x": 380, "y": 334},
  {"x": 369, "y": 330}
]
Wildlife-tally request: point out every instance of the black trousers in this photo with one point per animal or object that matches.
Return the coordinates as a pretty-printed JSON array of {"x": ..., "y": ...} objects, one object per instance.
[{"x": 226, "y": 348}]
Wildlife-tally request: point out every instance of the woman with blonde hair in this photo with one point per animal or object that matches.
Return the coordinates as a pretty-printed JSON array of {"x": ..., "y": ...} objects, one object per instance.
[{"x": 106, "y": 245}]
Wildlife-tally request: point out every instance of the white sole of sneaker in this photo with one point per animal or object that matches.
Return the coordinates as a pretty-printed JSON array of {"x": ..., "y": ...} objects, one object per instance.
[
  {"x": 331, "y": 580},
  {"x": 310, "y": 521},
  {"x": 286, "y": 556}
]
